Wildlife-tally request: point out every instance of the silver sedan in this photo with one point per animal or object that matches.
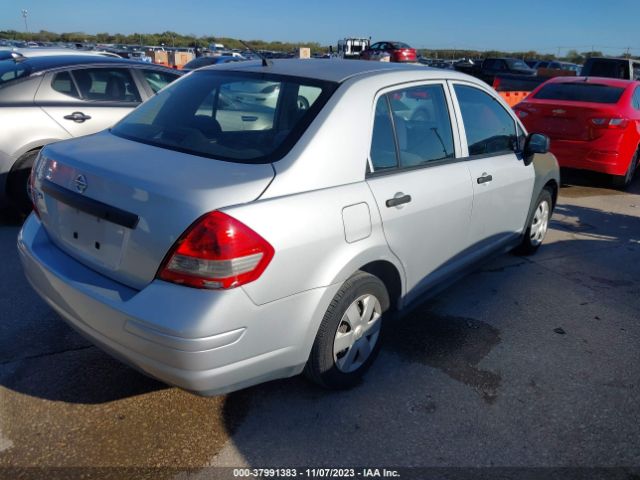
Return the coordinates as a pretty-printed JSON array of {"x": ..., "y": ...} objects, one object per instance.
[{"x": 214, "y": 256}]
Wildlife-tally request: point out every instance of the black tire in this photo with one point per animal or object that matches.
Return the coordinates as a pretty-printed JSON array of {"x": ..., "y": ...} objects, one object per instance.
[
  {"x": 321, "y": 367},
  {"x": 623, "y": 181},
  {"x": 530, "y": 245},
  {"x": 18, "y": 181}
]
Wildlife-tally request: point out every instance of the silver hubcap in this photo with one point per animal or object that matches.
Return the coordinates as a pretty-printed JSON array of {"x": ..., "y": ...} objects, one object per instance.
[
  {"x": 357, "y": 333},
  {"x": 540, "y": 223}
]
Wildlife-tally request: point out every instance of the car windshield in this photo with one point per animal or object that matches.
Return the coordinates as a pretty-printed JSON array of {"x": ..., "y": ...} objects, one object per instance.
[
  {"x": 12, "y": 70},
  {"x": 399, "y": 45},
  {"x": 235, "y": 116},
  {"x": 580, "y": 92}
]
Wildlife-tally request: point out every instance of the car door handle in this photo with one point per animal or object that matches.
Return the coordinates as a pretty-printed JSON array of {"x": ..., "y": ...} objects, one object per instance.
[
  {"x": 399, "y": 199},
  {"x": 77, "y": 117},
  {"x": 485, "y": 178}
]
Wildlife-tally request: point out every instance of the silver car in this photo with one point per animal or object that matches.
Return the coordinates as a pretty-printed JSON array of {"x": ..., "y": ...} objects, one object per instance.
[
  {"x": 214, "y": 256},
  {"x": 55, "y": 97}
]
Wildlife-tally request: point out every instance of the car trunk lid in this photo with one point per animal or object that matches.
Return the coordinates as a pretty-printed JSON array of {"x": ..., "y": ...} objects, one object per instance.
[
  {"x": 118, "y": 206},
  {"x": 563, "y": 120}
]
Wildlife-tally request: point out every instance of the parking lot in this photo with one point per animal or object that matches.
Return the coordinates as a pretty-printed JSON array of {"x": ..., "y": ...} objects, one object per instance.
[{"x": 527, "y": 362}]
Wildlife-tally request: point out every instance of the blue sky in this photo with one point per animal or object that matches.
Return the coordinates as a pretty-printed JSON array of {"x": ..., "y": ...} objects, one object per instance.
[{"x": 545, "y": 25}]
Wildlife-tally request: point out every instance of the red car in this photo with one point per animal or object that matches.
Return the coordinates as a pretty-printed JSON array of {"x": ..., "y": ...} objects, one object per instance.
[
  {"x": 593, "y": 123},
  {"x": 397, "y": 51}
]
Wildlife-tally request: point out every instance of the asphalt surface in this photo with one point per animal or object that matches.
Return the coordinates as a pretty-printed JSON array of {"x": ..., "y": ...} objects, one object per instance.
[{"x": 527, "y": 362}]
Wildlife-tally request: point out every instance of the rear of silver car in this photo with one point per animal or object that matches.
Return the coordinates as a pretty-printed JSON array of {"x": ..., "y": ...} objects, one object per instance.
[{"x": 114, "y": 217}]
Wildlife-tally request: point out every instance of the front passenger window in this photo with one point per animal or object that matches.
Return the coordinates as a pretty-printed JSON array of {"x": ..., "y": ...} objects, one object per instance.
[{"x": 489, "y": 128}]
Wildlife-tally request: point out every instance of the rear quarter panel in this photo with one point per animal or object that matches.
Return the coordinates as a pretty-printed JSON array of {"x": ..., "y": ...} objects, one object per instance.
[{"x": 307, "y": 233}]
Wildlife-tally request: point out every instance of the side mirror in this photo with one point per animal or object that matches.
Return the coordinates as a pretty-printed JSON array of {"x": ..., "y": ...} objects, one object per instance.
[{"x": 536, "y": 143}]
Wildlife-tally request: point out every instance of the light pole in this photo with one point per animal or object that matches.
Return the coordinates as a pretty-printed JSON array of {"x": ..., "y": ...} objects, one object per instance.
[{"x": 24, "y": 15}]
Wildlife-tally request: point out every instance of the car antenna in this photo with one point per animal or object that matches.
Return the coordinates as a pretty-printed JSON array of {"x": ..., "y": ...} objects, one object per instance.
[{"x": 265, "y": 62}]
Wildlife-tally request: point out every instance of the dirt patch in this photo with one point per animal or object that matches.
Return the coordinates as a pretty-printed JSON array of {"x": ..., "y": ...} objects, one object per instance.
[{"x": 454, "y": 345}]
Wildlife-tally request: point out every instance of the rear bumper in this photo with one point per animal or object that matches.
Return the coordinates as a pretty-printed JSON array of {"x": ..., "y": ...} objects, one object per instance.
[
  {"x": 210, "y": 342},
  {"x": 591, "y": 156}
]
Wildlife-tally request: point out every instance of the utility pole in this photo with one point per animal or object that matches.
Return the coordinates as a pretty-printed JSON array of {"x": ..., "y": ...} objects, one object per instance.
[{"x": 24, "y": 15}]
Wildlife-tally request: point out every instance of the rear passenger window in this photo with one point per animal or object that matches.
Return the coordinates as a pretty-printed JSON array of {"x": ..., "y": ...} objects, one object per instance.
[
  {"x": 383, "y": 146},
  {"x": 63, "y": 83},
  {"x": 423, "y": 125},
  {"x": 106, "y": 84},
  {"x": 489, "y": 128}
]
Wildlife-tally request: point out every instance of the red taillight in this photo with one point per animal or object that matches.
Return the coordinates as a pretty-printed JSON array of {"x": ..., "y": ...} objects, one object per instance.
[
  {"x": 609, "y": 122},
  {"x": 496, "y": 83},
  {"x": 217, "y": 252}
]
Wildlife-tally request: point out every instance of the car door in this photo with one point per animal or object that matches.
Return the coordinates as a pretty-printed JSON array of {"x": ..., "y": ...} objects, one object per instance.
[
  {"x": 88, "y": 99},
  {"x": 422, "y": 189},
  {"x": 502, "y": 183}
]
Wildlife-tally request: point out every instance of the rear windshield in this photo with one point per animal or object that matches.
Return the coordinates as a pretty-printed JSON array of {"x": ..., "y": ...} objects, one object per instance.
[
  {"x": 13, "y": 69},
  {"x": 400, "y": 45},
  {"x": 236, "y": 116},
  {"x": 580, "y": 92}
]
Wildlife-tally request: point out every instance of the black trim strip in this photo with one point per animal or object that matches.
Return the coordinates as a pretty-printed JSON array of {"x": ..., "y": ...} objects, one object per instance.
[{"x": 90, "y": 206}]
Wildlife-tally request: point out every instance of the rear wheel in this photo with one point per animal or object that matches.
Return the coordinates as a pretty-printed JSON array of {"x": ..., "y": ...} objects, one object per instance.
[
  {"x": 349, "y": 337},
  {"x": 623, "y": 181},
  {"x": 538, "y": 225},
  {"x": 18, "y": 183}
]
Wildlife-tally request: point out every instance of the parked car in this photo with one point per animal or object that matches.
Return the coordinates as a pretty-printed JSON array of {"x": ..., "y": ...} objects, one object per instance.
[
  {"x": 50, "y": 98},
  {"x": 216, "y": 258},
  {"x": 624, "y": 68},
  {"x": 205, "y": 61},
  {"x": 47, "y": 52},
  {"x": 396, "y": 51},
  {"x": 492, "y": 67},
  {"x": 593, "y": 123}
]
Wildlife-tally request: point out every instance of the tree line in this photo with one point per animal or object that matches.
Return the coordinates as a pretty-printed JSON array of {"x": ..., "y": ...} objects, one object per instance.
[
  {"x": 168, "y": 38},
  {"x": 174, "y": 39}
]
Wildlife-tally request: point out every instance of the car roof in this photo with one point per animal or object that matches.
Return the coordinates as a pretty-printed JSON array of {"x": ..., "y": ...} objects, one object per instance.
[
  {"x": 49, "y": 62},
  {"x": 611, "y": 82},
  {"x": 334, "y": 70},
  {"x": 31, "y": 52}
]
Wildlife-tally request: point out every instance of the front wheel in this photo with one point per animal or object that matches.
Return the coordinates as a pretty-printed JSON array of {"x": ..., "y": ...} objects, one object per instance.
[
  {"x": 538, "y": 225},
  {"x": 349, "y": 337}
]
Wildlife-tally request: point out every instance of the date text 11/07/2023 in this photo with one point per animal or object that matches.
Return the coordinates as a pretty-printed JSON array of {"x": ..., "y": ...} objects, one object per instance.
[{"x": 315, "y": 473}]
